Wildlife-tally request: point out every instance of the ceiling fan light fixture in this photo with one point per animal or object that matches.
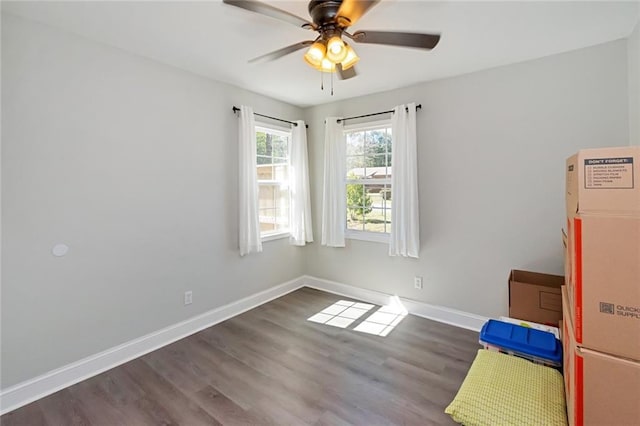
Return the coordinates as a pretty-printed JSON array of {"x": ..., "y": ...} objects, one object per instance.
[
  {"x": 350, "y": 59},
  {"x": 331, "y": 19},
  {"x": 336, "y": 49},
  {"x": 315, "y": 54},
  {"x": 326, "y": 66}
]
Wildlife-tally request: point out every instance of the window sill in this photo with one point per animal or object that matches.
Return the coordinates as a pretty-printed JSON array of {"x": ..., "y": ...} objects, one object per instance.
[
  {"x": 272, "y": 237},
  {"x": 367, "y": 236}
]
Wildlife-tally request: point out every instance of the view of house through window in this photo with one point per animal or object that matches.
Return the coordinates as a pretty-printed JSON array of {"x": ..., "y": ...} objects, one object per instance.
[
  {"x": 368, "y": 178},
  {"x": 273, "y": 179}
]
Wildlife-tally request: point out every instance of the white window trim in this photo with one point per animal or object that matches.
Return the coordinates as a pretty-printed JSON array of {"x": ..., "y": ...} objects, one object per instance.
[
  {"x": 375, "y": 237},
  {"x": 275, "y": 236},
  {"x": 281, "y": 131},
  {"x": 273, "y": 128},
  {"x": 369, "y": 125},
  {"x": 352, "y": 234}
]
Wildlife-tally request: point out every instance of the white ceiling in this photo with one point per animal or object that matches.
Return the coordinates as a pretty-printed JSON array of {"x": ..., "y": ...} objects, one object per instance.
[{"x": 216, "y": 40}]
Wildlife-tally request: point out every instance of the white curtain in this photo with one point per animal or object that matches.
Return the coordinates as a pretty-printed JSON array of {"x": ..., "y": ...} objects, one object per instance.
[
  {"x": 300, "y": 226},
  {"x": 334, "y": 198},
  {"x": 249, "y": 223},
  {"x": 405, "y": 229}
]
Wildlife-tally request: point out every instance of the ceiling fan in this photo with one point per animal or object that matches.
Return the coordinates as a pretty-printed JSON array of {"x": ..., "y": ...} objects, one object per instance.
[{"x": 330, "y": 19}]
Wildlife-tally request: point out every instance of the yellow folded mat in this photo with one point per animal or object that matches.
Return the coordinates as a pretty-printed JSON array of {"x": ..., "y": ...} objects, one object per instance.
[{"x": 502, "y": 390}]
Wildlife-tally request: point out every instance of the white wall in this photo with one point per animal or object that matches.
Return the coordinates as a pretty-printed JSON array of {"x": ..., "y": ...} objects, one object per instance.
[
  {"x": 633, "y": 60},
  {"x": 133, "y": 165},
  {"x": 491, "y": 154}
]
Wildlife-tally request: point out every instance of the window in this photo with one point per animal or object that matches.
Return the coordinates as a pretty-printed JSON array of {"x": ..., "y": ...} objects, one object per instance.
[
  {"x": 368, "y": 181},
  {"x": 273, "y": 180}
]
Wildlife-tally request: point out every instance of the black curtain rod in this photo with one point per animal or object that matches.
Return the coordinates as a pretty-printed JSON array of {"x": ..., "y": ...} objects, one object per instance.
[
  {"x": 236, "y": 109},
  {"x": 419, "y": 106}
]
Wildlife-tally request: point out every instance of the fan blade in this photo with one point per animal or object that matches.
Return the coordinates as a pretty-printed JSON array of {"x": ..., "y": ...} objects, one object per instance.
[
  {"x": 353, "y": 10},
  {"x": 268, "y": 10},
  {"x": 282, "y": 52},
  {"x": 346, "y": 74},
  {"x": 422, "y": 41}
]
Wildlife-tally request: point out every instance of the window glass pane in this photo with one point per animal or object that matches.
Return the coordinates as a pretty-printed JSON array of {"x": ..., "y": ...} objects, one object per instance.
[
  {"x": 280, "y": 146},
  {"x": 358, "y": 201},
  {"x": 375, "y": 194},
  {"x": 265, "y": 172},
  {"x": 387, "y": 219},
  {"x": 282, "y": 194},
  {"x": 378, "y": 141},
  {"x": 281, "y": 173},
  {"x": 376, "y": 160},
  {"x": 267, "y": 220},
  {"x": 374, "y": 220},
  {"x": 369, "y": 142},
  {"x": 354, "y": 224},
  {"x": 268, "y": 143},
  {"x": 385, "y": 194},
  {"x": 261, "y": 144},
  {"x": 369, "y": 159},
  {"x": 282, "y": 207},
  {"x": 355, "y": 143},
  {"x": 273, "y": 180},
  {"x": 355, "y": 167},
  {"x": 355, "y": 194},
  {"x": 266, "y": 196},
  {"x": 263, "y": 159},
  {"x": 282, "y": 219}
]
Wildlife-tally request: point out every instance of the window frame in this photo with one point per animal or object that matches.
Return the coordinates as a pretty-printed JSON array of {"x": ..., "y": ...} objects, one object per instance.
[
  {"x": 281, "y": 131},
  {"x": 352, "y": 234}
]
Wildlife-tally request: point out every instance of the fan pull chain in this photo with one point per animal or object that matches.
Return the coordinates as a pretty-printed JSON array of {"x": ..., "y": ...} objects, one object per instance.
[
  {"x": 331, "y": 84},
  {"x": 321, "y": 80}
]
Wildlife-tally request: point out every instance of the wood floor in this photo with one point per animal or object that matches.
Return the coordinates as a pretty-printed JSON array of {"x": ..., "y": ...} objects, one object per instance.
[{"x": 272, "y": 366}]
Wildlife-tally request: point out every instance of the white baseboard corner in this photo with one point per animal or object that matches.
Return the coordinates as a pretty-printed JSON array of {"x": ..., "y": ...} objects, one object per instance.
[
  {"x": 31, "y": 390},
  {"x": 437, "y": 313}
]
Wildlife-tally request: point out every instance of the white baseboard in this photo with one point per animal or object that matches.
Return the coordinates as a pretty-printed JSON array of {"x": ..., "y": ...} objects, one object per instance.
[
  {"x": 30, "y": 390},
  {"x": 437, "y": 313}
]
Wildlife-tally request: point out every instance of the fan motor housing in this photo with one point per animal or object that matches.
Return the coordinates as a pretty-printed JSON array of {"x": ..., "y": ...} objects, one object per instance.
[{"x": 323, "y": 12}]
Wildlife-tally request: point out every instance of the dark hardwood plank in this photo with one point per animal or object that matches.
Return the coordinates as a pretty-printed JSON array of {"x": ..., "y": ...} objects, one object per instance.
[
  {"x": 225, "y": 410},
  {"x": 162, "y": 393},
  {"x": 270, "y": 366},
  {"x": 62, "y": 408},
  {"x": 330, "y": 419},
  {"x": 25, "y": 416}
]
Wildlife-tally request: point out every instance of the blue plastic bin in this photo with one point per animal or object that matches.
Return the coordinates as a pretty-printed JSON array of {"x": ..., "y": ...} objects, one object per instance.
[{"x": 535, "y": 345}]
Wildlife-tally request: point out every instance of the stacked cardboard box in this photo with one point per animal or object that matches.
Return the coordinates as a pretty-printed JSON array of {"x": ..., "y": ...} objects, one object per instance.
[
  {"x": 535, "y": 297},
  {"x": 601, "y": 389},
  {"x": 601, "y": 300}
]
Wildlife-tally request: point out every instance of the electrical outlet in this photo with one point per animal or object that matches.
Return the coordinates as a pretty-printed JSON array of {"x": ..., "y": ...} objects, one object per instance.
[
  {"x": 417, "y": 282},
  {"x": 188, "y": 297}
]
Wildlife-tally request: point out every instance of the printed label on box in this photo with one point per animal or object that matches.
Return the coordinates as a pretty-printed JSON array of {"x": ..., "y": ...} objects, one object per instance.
[
  {"x": 608, "y": 173},
  {"x": 620, "y": 310}
]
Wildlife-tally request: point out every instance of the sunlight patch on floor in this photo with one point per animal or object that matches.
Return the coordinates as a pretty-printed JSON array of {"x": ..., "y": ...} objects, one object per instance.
[
  {"x": 383, "y": 320},
  {"x": 341, "y": 314}
]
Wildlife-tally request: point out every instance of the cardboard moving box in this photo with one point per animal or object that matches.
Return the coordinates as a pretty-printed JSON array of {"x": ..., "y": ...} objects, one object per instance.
[
  {"x": 603, "y": 180},
  {"x": 535, "y": 297},
  {"x": 604, "y": 285},
  {"x": 600, "y": 389},
  {"x": 567, "y": 257}
]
